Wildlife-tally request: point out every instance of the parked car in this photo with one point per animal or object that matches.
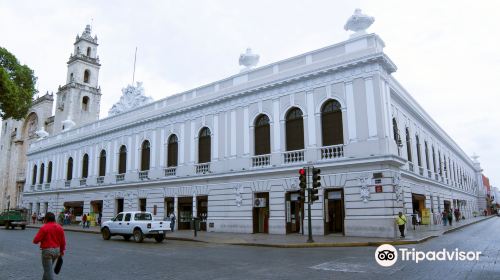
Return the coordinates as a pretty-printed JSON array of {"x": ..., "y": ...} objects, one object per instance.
[
  {"x": 135, "y": 224},
  {"x": 14, "y": 218}
]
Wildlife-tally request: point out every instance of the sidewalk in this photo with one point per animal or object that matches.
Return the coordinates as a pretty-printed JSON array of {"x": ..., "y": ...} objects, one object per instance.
[{"x": 421, "y": 234}]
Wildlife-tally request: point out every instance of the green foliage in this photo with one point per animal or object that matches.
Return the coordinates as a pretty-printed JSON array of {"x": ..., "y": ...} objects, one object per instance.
[{"x": 17, "y": 86}]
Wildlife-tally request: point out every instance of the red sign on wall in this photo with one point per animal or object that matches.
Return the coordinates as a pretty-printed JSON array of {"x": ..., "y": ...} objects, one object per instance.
[{"x": 378, "y": 188}]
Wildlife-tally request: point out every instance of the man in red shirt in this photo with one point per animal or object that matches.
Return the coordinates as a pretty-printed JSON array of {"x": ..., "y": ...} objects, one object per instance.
[{"x": 52, "y": 243}]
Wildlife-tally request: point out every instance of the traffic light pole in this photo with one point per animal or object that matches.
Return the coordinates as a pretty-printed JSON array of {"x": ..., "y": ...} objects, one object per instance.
[{"x": 310, "y": 237}]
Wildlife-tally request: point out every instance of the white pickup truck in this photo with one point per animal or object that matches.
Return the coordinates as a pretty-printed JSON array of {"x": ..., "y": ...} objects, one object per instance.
[{"x": 138, "y": 224}]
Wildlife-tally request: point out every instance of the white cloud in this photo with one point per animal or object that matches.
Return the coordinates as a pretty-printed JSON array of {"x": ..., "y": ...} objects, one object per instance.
[{"x": 447, "y": 51}]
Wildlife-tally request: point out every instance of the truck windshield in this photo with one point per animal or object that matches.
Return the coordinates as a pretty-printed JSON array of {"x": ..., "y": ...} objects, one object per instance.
[{"x": 143, "y": 217}]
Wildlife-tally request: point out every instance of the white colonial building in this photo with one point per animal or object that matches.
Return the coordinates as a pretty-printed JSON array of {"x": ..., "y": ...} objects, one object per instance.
[{"x": 229, "y": 152}]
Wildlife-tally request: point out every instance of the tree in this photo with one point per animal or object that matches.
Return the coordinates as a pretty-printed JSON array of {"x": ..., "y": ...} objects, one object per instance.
[{"x": 17, "y": 87}]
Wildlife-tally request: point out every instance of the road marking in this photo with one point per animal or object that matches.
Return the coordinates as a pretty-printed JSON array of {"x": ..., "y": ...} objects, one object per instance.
[{"x": 354, "y": 267}]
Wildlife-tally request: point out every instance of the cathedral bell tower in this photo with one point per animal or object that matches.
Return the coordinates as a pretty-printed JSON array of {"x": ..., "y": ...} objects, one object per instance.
[{"x": 78, "y": 101}]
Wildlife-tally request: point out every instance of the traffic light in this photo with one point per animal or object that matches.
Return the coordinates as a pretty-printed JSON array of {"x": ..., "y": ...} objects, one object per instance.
[
  {"x": 316, "y": 183},
  {"x": 302, "y": 183}
]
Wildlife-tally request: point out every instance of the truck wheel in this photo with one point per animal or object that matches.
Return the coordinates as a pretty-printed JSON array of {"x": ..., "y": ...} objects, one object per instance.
[
  {"x": 138, "y": 236},
  {"x": 23, "y": 227},
  {"x": 106, "y": 234},
  {"x": 159, "y": 238},
  {"x": 7, "y": 225},
  {"x": 126, "y": 237},
  {"x": 12, "y": 227}
]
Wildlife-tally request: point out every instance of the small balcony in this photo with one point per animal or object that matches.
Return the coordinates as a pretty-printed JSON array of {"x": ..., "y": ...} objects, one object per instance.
[
  {"x": 421, "y": 170},
  {"x": 293, "y": 157},
  {"x": 46, "y": 186},
  {"x": 170, "y": 171},
  {"x": 39, "y": 187},
  {"x": 32, "y": 188},
  {"x": 261, "y": 160},
  {"x": 410, "y": 167},
  {"x": 67, "y": 183},
  {"x": 100, "y": 180},
  {"x": 143, "y": 175},
  {"x": 429, "y": 174},
  {"x": 203, "y": 168},
  {"x": 331, "y": 152},
  {"x": 83, "y": 181},
  {"x": 120, "y": 177}
]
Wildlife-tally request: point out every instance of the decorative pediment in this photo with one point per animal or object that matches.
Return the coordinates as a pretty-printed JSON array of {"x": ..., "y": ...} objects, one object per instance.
[
  {"x": 290, "y": 184},
  {"x": 261, "y": 186}
]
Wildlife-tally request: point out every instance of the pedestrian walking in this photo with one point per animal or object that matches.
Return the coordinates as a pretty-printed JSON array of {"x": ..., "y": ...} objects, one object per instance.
[
  {"x": 172, "y": 222},
  {"x": 52, "y": 243},
  {"x": 444, "y": 217},
  {"x": 88, "y": 220},
  {"x": 401, "y": 222},
  {"x": 84, "y": 220},
  {"x": 33, "y": 217},
  {"x": 99, "y": 218},
  {"x": 450, "y": 218},
  {"x": 457, "y": 214}
]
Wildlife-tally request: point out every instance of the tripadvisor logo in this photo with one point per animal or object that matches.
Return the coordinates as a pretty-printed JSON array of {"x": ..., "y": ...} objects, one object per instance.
[{"x": 387, "y": 255}]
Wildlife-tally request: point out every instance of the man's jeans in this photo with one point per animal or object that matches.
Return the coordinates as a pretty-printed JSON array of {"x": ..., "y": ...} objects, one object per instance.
[{"x": 48, "y": 258}]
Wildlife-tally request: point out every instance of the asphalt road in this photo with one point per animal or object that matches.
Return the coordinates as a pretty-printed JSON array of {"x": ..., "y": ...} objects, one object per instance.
[{"x": 90, "y": 257}]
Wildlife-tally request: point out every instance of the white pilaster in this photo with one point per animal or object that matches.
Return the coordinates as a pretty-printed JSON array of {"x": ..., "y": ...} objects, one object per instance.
[
  {"x": 215, "y": 154},
  {"x": 276, "y": 126},
  {"x": 153, "y": 150},
  {"x": 370, "y": 108},
  {"x": 233, "y": 133},
  {"x": 351, "y": 112},
  {"x": 181, "y": 139},
  {"x": 246, "y": 131},
  {"x": 163, "y": 143},
  {"x": 311, "y": 119},
  {"x": 192, "y": 142}
]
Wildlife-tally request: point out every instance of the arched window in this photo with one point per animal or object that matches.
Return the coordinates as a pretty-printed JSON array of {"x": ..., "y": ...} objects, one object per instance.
[
  {"x": 85, "y": 103},
  {"x": 427, "y": 155},
  {"x": 204, "y": 145},
  {"x": 49, "y": 173},
  {"x": 419, "y": 158},
  {"x": 102, "y": 164},
  {"x": 331, "y": 123},
  {"x": 408, "y": 144},
  {"x": 440, "y": 164},
  {"x": 42, "y": 173},
  {"x": 88, "y": 51},
  {"x": 395, "y": 129},
  {"x": 77, "y": 50},
  {"x": 172, "y": 150},
  {"x": 294, "y": 130},
  {"x": 85, "y": 166},
  {"x": 69, "y": 170},
  {"x": 145, "y": 155},
  {"x": 122, "y": 160},
  {"x": 33, "y": 178},
  {"x": 262, "y": 135},
  {"x": 434, "y": 159},
  {"x": 71, "y": 77},
  {"x": 86, "y": 76}
]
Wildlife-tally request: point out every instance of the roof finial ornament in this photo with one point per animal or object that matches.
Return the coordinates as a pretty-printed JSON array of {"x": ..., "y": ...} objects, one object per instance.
[
  {"x": 248, "y": 59},
  {"x": 358, "y": 23},
  {"x": 474, "y": 158}
]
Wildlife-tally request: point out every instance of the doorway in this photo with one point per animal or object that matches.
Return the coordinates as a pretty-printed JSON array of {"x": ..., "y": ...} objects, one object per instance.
[
  {"x": 202, "y": 211},
  {"x": 334, "y": 211},
  {"x": 119, "y": 205},
  {"x": 260, "y": 213},
  {"x": 294, "y": 212},
  {"x": 447, "y": 205},
  {"x": 169, "y": 206},
  {"x": 185, "y": 210},
  {"x": 418, "y": 203},
  {"x": 96, "y": 206}
]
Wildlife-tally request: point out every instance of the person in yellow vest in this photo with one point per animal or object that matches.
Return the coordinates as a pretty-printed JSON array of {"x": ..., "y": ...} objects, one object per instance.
[{"x": 401, "y": 221}]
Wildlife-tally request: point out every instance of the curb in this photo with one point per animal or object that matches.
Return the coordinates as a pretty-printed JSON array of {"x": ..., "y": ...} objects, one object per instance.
[
  {"x": 303, "y": 245},
  {"x": 462, "y": 226}
]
